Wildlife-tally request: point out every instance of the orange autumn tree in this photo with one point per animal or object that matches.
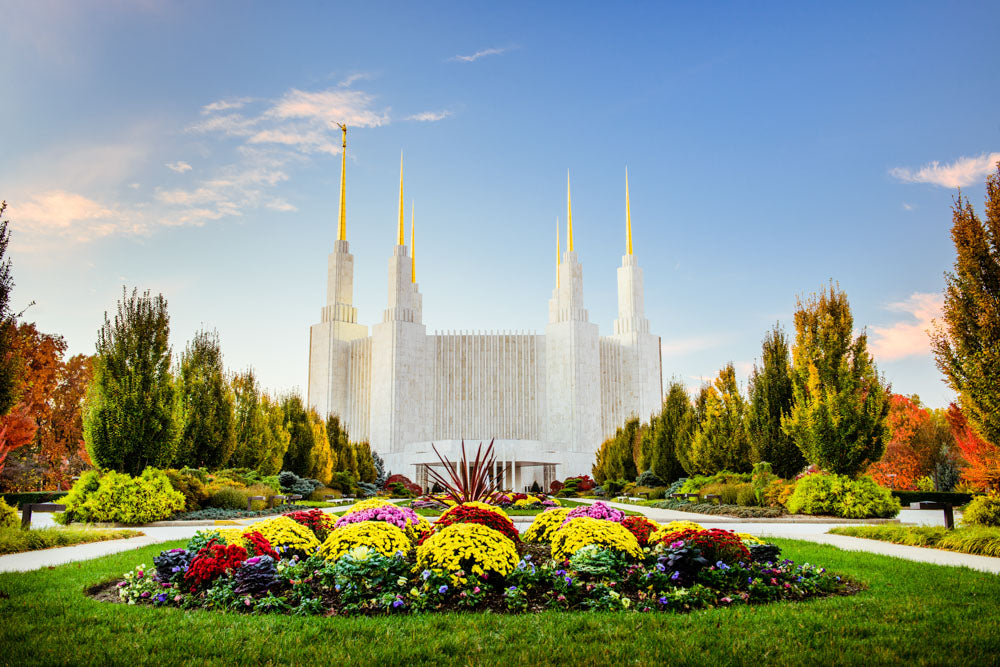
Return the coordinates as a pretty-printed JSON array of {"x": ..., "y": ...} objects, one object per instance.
[
  {"x": 919, "y": 439},
  {"x": 982, "y": 458},
  {"x": 63, "y": 452},
  {"x": 41, "y": 354}
]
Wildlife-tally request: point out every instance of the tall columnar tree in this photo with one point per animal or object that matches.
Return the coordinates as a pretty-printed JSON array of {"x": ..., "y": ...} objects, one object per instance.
[
  {"x": 276, "y": 437},
  {"x": 337, "y": 436},
  {"x": 132, "y": 416},
  {"x": 967, "y": 342},
  {"x": 11, "y": 365},
  {"x": 208, "y": 437},
  {"x": 770, "y": 400},
  {"x": 721, "y": 441},
  {"x": 838, "y": 419},
  {"x": 308, "y": 453},
  {"x": 249, "y": 421},
  {"x": 693, "y": 421},
  {"x": 366, "y": 463},
  {"x": 616, "y": 457},
  {"x": 667, "y": 430}
]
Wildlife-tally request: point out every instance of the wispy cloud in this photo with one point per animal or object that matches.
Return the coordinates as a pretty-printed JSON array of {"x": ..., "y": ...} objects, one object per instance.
[
  {"x": 349, "y": 80},
  {"x": 429, "y": 116},
  {"x": 69, "y": 214},
  {"x": 482, "y": 54},
  {"x": 907, "y": 338},
  {"x": 962, "y": 172},
  {"x": 909, "y": 207},
  {"x": 180, "y": 166},
  {"x": 226, "y": 105}
]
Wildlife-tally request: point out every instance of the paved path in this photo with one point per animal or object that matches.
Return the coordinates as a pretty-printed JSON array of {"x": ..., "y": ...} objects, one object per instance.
[{"x": 802, "y": 530}]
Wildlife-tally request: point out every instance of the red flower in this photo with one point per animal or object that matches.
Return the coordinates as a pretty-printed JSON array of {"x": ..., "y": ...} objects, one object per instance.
[
  {"x": 641, "y": 527},
  {"x": 259, "y": 545},
  {"x": 472, "y": 514},
  {"x": 715, "y": 544},
  {"x": 212, "y": 561},
  {"x": 316, "y": 520}
]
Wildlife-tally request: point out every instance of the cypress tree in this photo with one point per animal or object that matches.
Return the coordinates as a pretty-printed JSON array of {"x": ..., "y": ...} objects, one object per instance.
[
  {"x": 615, "y": 459},
  {"x": 337, "y": 436},
  {"x": 771, "y": 397},
  {"x": 131, "y": 418},
  {"x": 967, "y": 343},
  {"x": 838, "y": 419},
  {"x": 366, "y": 464},
  {"x": 666, "y": 431},
  {"x": 722, "y": 441},
  {"x": 249, "y": 421},
  {"x": 276, "y": 437},
  {"x": 208, "y": 437}
]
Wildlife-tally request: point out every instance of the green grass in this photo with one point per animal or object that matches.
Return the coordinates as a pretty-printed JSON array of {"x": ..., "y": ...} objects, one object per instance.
[
  {"x": 15, "y": 540},
  {"x": 979, "y": 540},
  {"x": 911, "y": 612}
]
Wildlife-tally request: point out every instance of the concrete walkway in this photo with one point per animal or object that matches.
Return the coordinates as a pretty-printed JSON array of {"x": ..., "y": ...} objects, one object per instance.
[{"x": 798, "y": 529}]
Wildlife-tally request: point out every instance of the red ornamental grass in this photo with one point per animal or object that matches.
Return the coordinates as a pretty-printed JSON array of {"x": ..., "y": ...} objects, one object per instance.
[
  {"x": 316, "y": 520},
  {"x": 466, "y": 514},
  {"x": 715, "y": 544},
  {"x": 212, "y": 561},
  {"x": 469, "y": 480},
  {"x": 641, "y": 527}
]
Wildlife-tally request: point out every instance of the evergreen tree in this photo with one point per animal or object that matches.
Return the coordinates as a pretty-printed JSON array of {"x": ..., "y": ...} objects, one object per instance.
[
  {"x": 666, "y": 431},
  {"x": 308, "y": 454},
  {"x": 615, "y": 459},
  {"x": 337, "y": 436},
  {"x": 11, "y": 363},
  {"x": 208, "y": 437},
  {"x": 967, "y": 343},
  {"x": 132, "y": 416},
  {"x": 324, "y": 460},
  {"x": 838, "y": 419},
  {"x": 366, "y": 464},
  {"x": 722, "y": 441},
  {"x": 692, "y": 423},
  {"x": 381, "y": 472},
  {"x": 276, "y": 437},
  {"x": 249, "y": 421},
  {"x": 771, "y": 397}
]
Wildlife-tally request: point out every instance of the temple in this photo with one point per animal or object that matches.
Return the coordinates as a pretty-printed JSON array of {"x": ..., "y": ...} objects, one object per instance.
[{"x": 546, "y": 400}]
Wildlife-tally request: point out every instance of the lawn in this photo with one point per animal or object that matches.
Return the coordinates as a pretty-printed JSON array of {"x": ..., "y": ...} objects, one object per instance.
[{"x": 911, "y": 612}]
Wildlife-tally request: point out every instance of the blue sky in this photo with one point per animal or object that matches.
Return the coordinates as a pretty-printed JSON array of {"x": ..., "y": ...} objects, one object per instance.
[{"x": 186, "y": 148}]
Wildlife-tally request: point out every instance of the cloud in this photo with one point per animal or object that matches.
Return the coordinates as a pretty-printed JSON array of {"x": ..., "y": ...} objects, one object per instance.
[
  {"x": 226, "y": 105},
  {"x": 962, "y": 172},
  {"x": 481, "y": 54},
  {"x": 350, "y": 79},
  {"x": 907, "y": 338},
  {"x": 429, "y": 116},
  {"x": 70, "y": 214},
  {"x": 908, "y": 207},
  {"x": 180, "y": 166}
]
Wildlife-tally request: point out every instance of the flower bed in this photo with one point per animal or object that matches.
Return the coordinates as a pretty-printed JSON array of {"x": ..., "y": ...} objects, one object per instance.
[{"x": 373, "y": 567}]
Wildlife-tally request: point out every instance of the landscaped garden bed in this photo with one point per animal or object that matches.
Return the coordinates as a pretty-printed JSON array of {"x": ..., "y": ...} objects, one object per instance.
[
  {"x": 384, "y": 559},
  {"x": 979, "y": 540}
]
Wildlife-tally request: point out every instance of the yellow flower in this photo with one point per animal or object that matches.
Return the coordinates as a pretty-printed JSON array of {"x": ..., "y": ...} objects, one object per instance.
[
  {"x": 469, "y": 547},
  {"x": 284, "y": 532},
  {"x": 582, "y": 531},
  {"x": 371, "y": 503},
  {"x": 380, "y": 536},
  {"x": 544, "y": 525},
  {"x": 672, "y": 527}
]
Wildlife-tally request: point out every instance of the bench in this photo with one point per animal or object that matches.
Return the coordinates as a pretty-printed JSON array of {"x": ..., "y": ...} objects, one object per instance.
[
  {"x": 28, "y": 508},
  {"x": 274, "y": 500},
  {"x": 253, "y": 498},
  {"x": 949, "y": 515},
  {"x": 293, "y": 498},
  {"x": 714, "y": 496},
  {"x": 687, "y": 496}
]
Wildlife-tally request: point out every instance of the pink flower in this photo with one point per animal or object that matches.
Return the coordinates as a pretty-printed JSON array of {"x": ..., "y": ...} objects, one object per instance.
[{"x": 476, "y": 589}]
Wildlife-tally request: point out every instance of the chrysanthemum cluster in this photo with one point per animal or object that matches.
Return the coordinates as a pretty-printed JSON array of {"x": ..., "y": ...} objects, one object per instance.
[
  {"x": 470, "y": 548},
  {"x": 545, "y": 525},
  {"x": 467, "y": 513},
  {"x": 598, "y": 510},
  {"x": 582, "y": 531},
  {"x": 381, "y": 536}
]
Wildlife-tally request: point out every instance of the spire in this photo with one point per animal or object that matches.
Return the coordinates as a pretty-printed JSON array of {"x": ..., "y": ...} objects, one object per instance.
[
  {"x": 569, "y": 217},
  {"x": 402, "y": 237},
  {"x": 628, "y": 217},
  {"x": 413, "y": 245},
  {"x": 558, "y": 252},
  {"x": 342, "y": 220}
]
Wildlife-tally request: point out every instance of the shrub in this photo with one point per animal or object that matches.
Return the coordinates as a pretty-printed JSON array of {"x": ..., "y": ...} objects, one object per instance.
[
  {"x": 293, "y": 484},
  {"x": 649, "y": 479},
  {"x": 715, "y": 544},
  {"x": 598, "y": 510},
  {"x": 470, "y": 548},
  {"x": 322, "y": 492},
  {"x": 545, "y": 525},
  {"x": 582, "y": 531},
  {"x": 190, "y": 486},
  {"x": 839, "y": 495},
  {"x": 8, "y": 515},
  {"x": 408, "y": 489},
  {"x": 285, "y": 534},
  {"x": 75, "y": 500},
  {"x": 367, "y": 489},
  {"x": 470, "y": 514},
  {"x": 746, "y": 495},
  {"x": 641, "y": 527},
  {"x": 228, "y": 497},
  {"x": 383, "y": 537},
  {"x": 983, "y": 510},
  {"x": 121, "y": 498},
  {"x": 316, "y": 520}
]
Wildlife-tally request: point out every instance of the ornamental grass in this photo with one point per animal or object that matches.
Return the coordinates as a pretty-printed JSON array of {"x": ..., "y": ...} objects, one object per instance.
[
  {"x": 582, "y": 531},
  {"x": 469, "y": 548},
  {"x": 383, "y": 537}
]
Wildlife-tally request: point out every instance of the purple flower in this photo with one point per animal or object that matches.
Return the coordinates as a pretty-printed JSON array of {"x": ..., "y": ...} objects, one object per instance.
[
  {"x": 252, "y": 561},
  {"x": 721, "y": 565},
  {"x": 663, "y": 600},
  {"x": 425, "y": 575},
  {"x": 398, "y": 603},
  {"x": 675, "y": 576},
  {"x": 569, "y": 580},
  {"x": 598, "y": 510},
  {"x": 162, "y": 597},
  {"x": 661, "y": 567},
  {"x": 677, "y": 545},
  {"x": 397, "y": 516},
  {"x": 443, "y": 589},
  {"x": 145, "y": 594}
]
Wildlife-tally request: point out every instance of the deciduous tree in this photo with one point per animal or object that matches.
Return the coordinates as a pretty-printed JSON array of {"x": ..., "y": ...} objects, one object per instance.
[
  {"x": 966, "y": 342},
  {"x": 721, "y": 441},
  {"x": 208, "y": 436},
  {"x": 11, "y": 365},
  {"x": 669, "y": 428},
  {"x": 982, "y": 458}
]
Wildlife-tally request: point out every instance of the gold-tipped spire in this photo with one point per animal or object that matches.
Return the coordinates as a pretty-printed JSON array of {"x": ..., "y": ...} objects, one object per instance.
[
  {"x": 402, "y": 237},
  {"x": 558, "y": 252},
  {"x": 569, "y": 217},
  {"x": 342, "y": 220},
  {"x": 628, "y": 217},
  {"x": 413, "y": 244}
]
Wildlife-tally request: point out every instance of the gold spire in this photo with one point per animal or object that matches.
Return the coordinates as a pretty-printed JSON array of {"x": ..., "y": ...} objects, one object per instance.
[
  {"x": 413, "y": 245},
  {"x": 628, "y": 216},
  {"x": 569, "y": 217},
  {"x": 402, "y": 237},
  {"x": 558, "y": 252},
  {"x": 342, "y": 221}
]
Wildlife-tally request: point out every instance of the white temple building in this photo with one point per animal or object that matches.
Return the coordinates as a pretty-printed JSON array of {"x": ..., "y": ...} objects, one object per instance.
[{"x": 547, "y": 400}]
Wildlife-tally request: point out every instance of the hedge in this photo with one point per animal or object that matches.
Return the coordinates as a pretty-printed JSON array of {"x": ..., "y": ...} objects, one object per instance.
[
  {"x": 907, "y": 497},
  {"x": 18, "y": 499}
]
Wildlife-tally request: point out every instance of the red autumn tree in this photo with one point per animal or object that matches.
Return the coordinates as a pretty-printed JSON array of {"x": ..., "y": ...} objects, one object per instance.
[
  {"x": 41, "y": 354},
  {"x": 918, "y": 440},
  {"x": 982, "y": 458}
]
